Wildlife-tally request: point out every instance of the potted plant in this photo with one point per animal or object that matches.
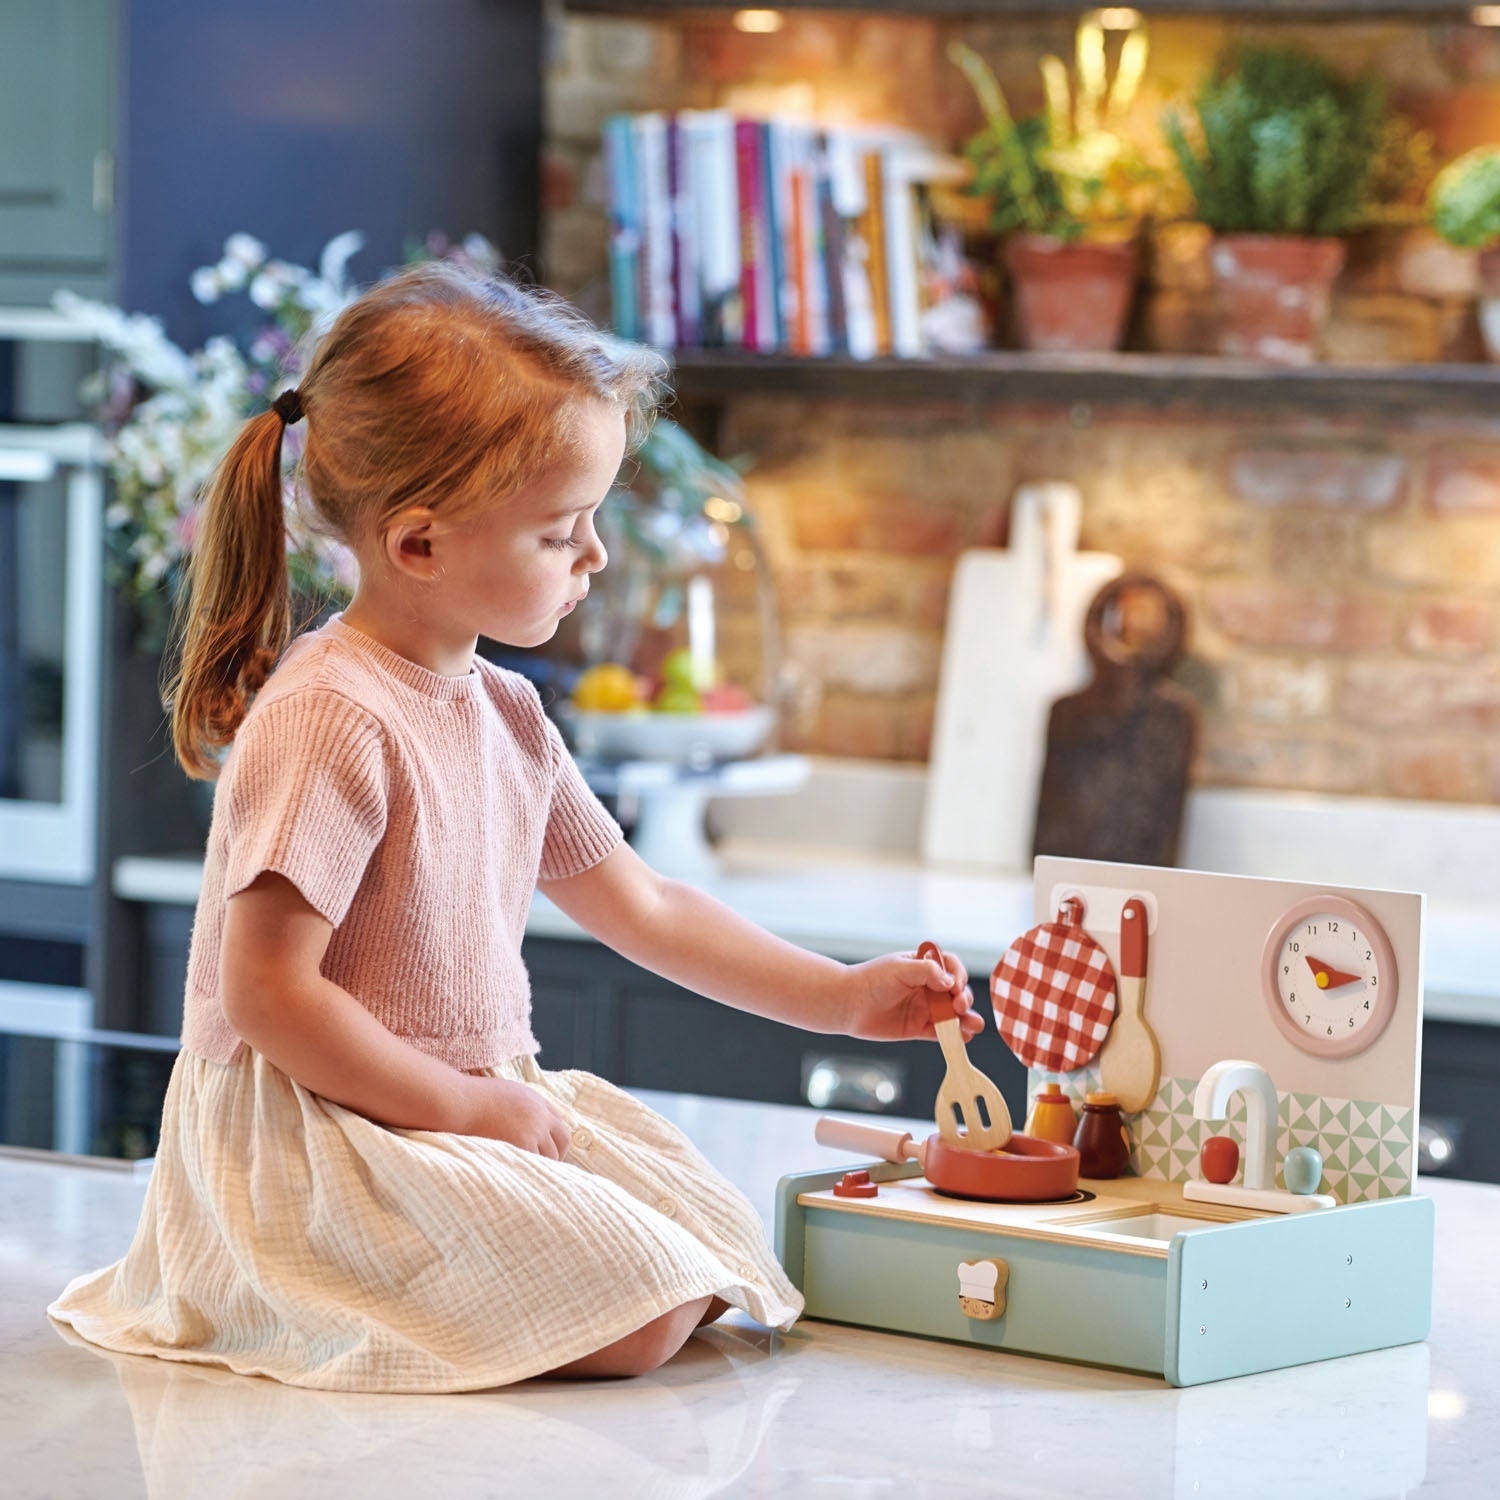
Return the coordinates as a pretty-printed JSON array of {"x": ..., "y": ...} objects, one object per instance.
[
  {"x": 1465, "y": 209},
  {"x": 1283, "y": 157},
  {"x": 1067, "y": 190}
]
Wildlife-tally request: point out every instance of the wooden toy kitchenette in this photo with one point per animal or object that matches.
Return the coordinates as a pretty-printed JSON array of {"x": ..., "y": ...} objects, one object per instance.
[{"x": 1259, "y": 1043}]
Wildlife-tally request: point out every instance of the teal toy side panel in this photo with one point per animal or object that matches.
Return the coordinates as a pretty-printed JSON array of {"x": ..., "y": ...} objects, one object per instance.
[
  {"x": 1081, "y": 1303},
  {"x": 1287, "y": 1291},
  {"x": 791, "y": 1217}
]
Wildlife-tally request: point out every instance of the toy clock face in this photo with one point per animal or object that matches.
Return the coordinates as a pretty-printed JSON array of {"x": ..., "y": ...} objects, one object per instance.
[{"x": 1329, "y": 976}]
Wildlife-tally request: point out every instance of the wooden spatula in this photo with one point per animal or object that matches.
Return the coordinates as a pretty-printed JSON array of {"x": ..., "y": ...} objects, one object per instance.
[
  {"x": 1130, "y": 1060},
  {"x": 964, "y": 1087}
]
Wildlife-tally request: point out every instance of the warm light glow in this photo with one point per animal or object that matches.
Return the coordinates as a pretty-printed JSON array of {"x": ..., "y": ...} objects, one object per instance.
[
  {"x": 717, "y": 509},
  {"x": 1485, "y": 15},
  {"x": 765, "y": 21},
  {"x": 1123, "y": 18}
]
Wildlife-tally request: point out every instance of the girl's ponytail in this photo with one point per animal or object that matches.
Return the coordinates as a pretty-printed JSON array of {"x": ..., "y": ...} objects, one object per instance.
[{"x": 233, "y": 618}]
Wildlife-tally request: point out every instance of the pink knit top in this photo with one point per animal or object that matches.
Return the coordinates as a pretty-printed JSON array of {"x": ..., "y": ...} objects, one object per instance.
[{"x": 416, "y": 812}]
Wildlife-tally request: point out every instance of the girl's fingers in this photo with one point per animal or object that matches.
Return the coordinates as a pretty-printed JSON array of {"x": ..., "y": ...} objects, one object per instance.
[{"x": 934, "y": 975}]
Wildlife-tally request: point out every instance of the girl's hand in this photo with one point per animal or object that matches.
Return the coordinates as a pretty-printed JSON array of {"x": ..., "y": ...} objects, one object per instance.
[
  {"x": 504, "y": 1110},
  {"x": 888, "y": 997}
]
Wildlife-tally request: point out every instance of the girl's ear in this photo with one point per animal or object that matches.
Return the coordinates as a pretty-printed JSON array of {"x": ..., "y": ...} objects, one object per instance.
[{"x": 408, "y": 543}]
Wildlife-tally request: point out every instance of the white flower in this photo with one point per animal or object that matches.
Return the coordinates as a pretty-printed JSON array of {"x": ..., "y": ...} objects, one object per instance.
[
  {"x": 232, "y": 274},
  {"x": 481, "y": 252},
  {"x": 245, "y": 249},
  {"x": 266, "y": 289},
  {"x": 151, "y": 355},
  {"x": 205, "y": 283},
  {"x": 334, "y": 261}
]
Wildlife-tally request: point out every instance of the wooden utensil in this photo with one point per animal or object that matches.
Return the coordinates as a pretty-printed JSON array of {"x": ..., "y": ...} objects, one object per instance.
[
  {"x": 1130, "y": 1060},
  {"x": 964, "y": 1088},
  {"x": 1119, "y": 752},
  {"x": 1027, "y": 1171}
]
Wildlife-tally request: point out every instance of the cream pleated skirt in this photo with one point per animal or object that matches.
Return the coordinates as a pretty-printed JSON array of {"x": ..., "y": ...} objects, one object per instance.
[{"x": 284, "y": 1235}]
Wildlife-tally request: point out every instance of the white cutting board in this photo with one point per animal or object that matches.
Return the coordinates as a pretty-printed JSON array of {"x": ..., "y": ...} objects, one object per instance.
[{"x": 1013, "y": 646}]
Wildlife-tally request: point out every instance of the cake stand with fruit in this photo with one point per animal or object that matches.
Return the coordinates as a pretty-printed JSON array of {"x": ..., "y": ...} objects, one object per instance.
[
  {"x": 666, "y": 748},
  {"x": 680, "y": 645}
]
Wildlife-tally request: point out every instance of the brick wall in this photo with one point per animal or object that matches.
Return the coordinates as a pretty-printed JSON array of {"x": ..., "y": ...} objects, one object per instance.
[{"x": 1342, "y": 577}]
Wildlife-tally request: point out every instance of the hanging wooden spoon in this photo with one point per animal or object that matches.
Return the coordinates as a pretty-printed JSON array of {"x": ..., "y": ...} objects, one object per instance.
[
  {"x": 964, "y": 1087},
  {"x": 1130, "y": 1060}
]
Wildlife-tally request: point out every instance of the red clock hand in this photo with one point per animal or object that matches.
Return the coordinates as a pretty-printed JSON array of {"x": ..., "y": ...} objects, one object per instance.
[{"x": 1326, "y": 977}]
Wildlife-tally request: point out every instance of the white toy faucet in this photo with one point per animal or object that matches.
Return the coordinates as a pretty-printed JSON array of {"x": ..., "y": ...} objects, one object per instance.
[
  {"x": 1211, "y": 1102},
  {"x": 1258, "y": 1190}
]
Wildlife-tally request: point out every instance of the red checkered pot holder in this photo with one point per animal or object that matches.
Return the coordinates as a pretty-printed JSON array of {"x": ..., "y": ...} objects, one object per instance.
[{"x": 1054, "y": 993}]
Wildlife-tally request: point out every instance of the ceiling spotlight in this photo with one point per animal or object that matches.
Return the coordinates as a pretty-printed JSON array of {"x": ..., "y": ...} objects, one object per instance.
[{"x": 762, "y": 21}]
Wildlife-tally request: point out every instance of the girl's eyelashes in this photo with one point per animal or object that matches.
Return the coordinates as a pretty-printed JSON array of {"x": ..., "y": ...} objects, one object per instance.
[{"x": 566, "y": 541}]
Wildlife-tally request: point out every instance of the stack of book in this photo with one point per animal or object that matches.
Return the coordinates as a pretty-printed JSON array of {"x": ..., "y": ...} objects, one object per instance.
[{"x": 778, "y": 235}]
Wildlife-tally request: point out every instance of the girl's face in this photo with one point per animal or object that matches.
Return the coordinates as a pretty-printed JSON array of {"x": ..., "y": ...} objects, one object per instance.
[{"x": 513, "y": 572}]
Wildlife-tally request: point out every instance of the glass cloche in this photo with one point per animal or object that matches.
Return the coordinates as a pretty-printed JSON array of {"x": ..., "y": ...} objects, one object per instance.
[{"x": 679, "y": 637}]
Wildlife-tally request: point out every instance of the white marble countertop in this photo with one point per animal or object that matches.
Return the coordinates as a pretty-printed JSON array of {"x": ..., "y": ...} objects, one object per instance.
[
  {"x": 822, "y": 1411},
  {"x": 852, "y": 906}
]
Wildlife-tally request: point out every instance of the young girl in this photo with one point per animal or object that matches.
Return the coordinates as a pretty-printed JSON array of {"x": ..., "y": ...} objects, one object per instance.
[{"x": 364, "y": 1180}]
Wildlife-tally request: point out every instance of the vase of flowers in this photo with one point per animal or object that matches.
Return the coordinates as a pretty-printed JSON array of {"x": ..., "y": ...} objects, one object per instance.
[
  {"x": 170, "y": 415},
  {"x": 1068, "y": 191},
  {"x": 1285, "y": 158}
]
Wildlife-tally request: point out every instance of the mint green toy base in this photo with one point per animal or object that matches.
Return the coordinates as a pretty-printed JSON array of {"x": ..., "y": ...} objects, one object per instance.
[{"x": 1228, "y": 1299}]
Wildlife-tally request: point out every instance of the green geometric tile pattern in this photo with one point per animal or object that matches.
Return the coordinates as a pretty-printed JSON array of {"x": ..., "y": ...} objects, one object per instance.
[{"x": 1366, "y": 1148}]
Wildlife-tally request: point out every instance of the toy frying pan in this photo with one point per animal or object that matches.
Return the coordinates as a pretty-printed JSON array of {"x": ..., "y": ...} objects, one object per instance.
[{"x": 1026, "y": 1171}]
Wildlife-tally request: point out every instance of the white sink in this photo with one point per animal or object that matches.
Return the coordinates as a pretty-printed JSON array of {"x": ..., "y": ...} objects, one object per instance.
[{"x": 1153, "y": 1226}]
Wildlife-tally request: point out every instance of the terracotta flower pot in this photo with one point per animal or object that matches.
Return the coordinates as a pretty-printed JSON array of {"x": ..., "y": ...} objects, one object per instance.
[
  {"x": 1273, "y": 293},
  {"x": 1070, "y": 297},
  {"x": 1489, "y": 300}
]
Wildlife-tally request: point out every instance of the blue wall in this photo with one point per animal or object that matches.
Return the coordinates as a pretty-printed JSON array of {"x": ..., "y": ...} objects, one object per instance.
[{"x": 296, "y": 121}]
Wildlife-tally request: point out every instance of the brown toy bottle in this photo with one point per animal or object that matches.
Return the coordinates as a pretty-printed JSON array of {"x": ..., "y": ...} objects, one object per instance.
[{"x": 1103, "y": 1145}]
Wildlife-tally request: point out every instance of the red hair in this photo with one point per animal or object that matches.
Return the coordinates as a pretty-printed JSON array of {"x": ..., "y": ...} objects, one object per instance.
[{"x": 440, "y": 387}]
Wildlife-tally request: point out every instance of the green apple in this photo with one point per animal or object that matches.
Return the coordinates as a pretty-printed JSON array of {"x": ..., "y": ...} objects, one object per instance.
[
  {"x": 677, "y": 698},
  {"x": 680, "y": 668}
]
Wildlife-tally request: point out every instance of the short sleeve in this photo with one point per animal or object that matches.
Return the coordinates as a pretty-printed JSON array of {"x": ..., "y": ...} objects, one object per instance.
[
  {"x": 580, "y": 831},
  {"x": 306, "y": 797}
]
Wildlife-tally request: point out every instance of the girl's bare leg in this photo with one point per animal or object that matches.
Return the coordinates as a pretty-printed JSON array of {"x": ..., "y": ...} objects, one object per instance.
[{"x": 647, "y": 1348}]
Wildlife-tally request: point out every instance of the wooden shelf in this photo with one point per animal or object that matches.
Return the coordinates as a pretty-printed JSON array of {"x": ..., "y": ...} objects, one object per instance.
[
  {"x": 1155, "y": 381},
  {"x": 1292, "y": 10}
]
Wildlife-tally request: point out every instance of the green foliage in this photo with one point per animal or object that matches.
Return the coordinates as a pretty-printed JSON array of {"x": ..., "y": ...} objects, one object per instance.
[
  {"x": 1465, "y": 201},
  {"x": 1024, "y": 193},
  {"x": 1068, "y": 172},
  {"x": 1281, "y": 144}
]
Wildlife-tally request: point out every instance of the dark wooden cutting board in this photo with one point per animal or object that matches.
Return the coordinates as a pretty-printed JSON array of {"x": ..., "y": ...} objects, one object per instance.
[{"x": 1119, "y": 751}]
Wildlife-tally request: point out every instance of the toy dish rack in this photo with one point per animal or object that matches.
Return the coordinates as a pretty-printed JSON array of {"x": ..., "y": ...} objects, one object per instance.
[{"x": 1160, "y": 1271}]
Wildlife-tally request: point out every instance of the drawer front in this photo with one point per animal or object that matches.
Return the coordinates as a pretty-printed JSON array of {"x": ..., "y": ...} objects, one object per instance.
[{"x": 1080, "y": 1303}]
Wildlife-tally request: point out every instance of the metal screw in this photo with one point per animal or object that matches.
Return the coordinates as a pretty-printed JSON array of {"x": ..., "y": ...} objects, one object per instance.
[
  {"x": 1348, "y": 1302},
  {"x": 1348, "y": 1260},
  {"x": 1203, "y": 1285},
  {"x": 1203, "y": 1328}
]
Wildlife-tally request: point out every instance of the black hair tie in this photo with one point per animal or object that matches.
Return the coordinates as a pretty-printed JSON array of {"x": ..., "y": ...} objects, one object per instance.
[{"x": 288, "y": 406}]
